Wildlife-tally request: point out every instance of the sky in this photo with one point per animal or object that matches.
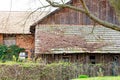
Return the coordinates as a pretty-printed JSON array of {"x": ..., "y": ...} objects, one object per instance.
[
  {"x": 19, "y": 5},
  {"x": 22, "y": 5}
]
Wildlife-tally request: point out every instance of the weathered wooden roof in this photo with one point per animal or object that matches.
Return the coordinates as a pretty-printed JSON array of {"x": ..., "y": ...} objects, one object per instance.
[
  {"x": 14, "y": 22},
  {"x": 92, "y": 34}
]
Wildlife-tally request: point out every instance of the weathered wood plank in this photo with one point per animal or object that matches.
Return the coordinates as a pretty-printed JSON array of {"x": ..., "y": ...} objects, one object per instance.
[{"x": 100, "y": 8}]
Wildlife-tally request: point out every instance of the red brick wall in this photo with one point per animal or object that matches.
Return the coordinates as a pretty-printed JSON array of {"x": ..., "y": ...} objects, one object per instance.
[
  {"x": 25, "y": 41},
  {"x": 1, "y": 39}
]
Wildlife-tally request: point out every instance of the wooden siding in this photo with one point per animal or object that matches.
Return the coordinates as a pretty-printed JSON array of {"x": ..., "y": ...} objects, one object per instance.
[
  {"x": 100, "y": 8},
  {"x": 81, "y": 58}
]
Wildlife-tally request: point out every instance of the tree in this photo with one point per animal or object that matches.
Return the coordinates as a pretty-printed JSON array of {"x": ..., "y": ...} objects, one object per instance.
[
  {"x": 116, "y": 5},
  {"x": 86, "y": 11}
]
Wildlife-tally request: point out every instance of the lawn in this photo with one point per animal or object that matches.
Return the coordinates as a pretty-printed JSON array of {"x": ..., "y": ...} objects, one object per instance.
[{"x": 100, "y": 78}]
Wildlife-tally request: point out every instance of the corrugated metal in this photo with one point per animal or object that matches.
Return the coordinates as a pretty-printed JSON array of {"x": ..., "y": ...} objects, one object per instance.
[{"x": 92, "y": 35}]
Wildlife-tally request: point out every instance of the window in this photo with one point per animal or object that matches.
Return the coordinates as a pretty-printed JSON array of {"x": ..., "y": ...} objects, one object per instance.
[
  {"x": 92, "y": 59},
  {"x": 116, "y": 59},
  {"x": 9, "y": 39},
  {"x": 65, "y": 59}
]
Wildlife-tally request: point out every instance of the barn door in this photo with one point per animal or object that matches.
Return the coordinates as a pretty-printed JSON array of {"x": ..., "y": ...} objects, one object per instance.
[
  {"x": 116, "y": 59},
  {"x": 9, "y": 39},
  {"x": 66, "y": 58},
  {"x": 92, "y": 59}
]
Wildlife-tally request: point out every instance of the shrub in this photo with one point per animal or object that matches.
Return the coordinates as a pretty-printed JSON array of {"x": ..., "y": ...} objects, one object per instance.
[
  {"x": 83, "y": 76},
  {"x": 3, "y": 52},
  {"x": 54, "y": 71},
  {"x": 8, "y": 53},
  {"x": 14, "y": 50}
]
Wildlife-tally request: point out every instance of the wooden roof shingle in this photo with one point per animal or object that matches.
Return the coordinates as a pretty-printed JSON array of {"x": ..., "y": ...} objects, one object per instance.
[{"x": 98, "y": 34}]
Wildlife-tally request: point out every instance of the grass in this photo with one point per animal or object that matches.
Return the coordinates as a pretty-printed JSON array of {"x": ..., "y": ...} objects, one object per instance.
[{"x": 100, "y": 78}]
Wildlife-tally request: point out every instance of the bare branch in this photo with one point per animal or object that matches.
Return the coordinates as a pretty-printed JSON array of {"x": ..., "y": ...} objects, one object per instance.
[
  {"x": 84, "y": 5},
  {"x": 86, "y": 11},
  {"x": 104, "y": 23},
  {"x": 63, "y": 1},
  {"x": 9, "y": 14},
  {"x": 33, "y": 13},
  {"x": 65, "y": 6}
]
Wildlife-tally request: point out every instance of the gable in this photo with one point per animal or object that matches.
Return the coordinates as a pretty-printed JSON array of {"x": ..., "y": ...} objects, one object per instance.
[{"x": 100, "y": 8}]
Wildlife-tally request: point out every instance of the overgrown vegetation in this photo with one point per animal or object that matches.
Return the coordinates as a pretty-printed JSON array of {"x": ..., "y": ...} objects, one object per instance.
[
  {"x": 54, "y": 71},
  {"x": 10, "y": 53}
]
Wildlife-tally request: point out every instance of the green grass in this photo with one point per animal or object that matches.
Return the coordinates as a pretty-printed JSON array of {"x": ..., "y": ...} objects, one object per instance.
[{"x": 100, "y": 78}]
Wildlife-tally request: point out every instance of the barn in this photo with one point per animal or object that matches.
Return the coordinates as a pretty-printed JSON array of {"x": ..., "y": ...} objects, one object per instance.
[{"x": 71, "y": 36}]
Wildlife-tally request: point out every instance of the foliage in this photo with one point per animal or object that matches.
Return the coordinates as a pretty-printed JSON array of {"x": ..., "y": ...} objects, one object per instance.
[
  {"x": 8, "y": 53},
  {"x": 116, "y": 6},
  {"x": 83, "y": 76},
  {"x": 54, "y": 71},
  {"x": 3, "y": 52},
  {"x": 15, "y": 50}
]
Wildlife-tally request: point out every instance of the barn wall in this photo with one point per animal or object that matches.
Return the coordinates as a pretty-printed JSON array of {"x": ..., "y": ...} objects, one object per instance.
[
  {"x": 49, "y": 58},
  {"x": 100, "y": 8},
  {"x": 81, "y": 58},
  {"x": 27, "y": 42},
  {"x": 1, "y": 39}
]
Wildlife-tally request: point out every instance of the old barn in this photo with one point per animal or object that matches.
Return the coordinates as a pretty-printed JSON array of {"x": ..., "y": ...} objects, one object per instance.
[{"x": 69, "y": 35}]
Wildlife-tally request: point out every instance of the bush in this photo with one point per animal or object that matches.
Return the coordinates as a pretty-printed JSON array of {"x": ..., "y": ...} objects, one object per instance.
[
  {"x": 35, "y": 71},
  {"x": 54, "y": 71},
  {"x": 14, "y": 50},
  {"x": 83, "y": 76},
  {"x": 3, "y": 52},
  {"x": 8, "y": 53}
]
